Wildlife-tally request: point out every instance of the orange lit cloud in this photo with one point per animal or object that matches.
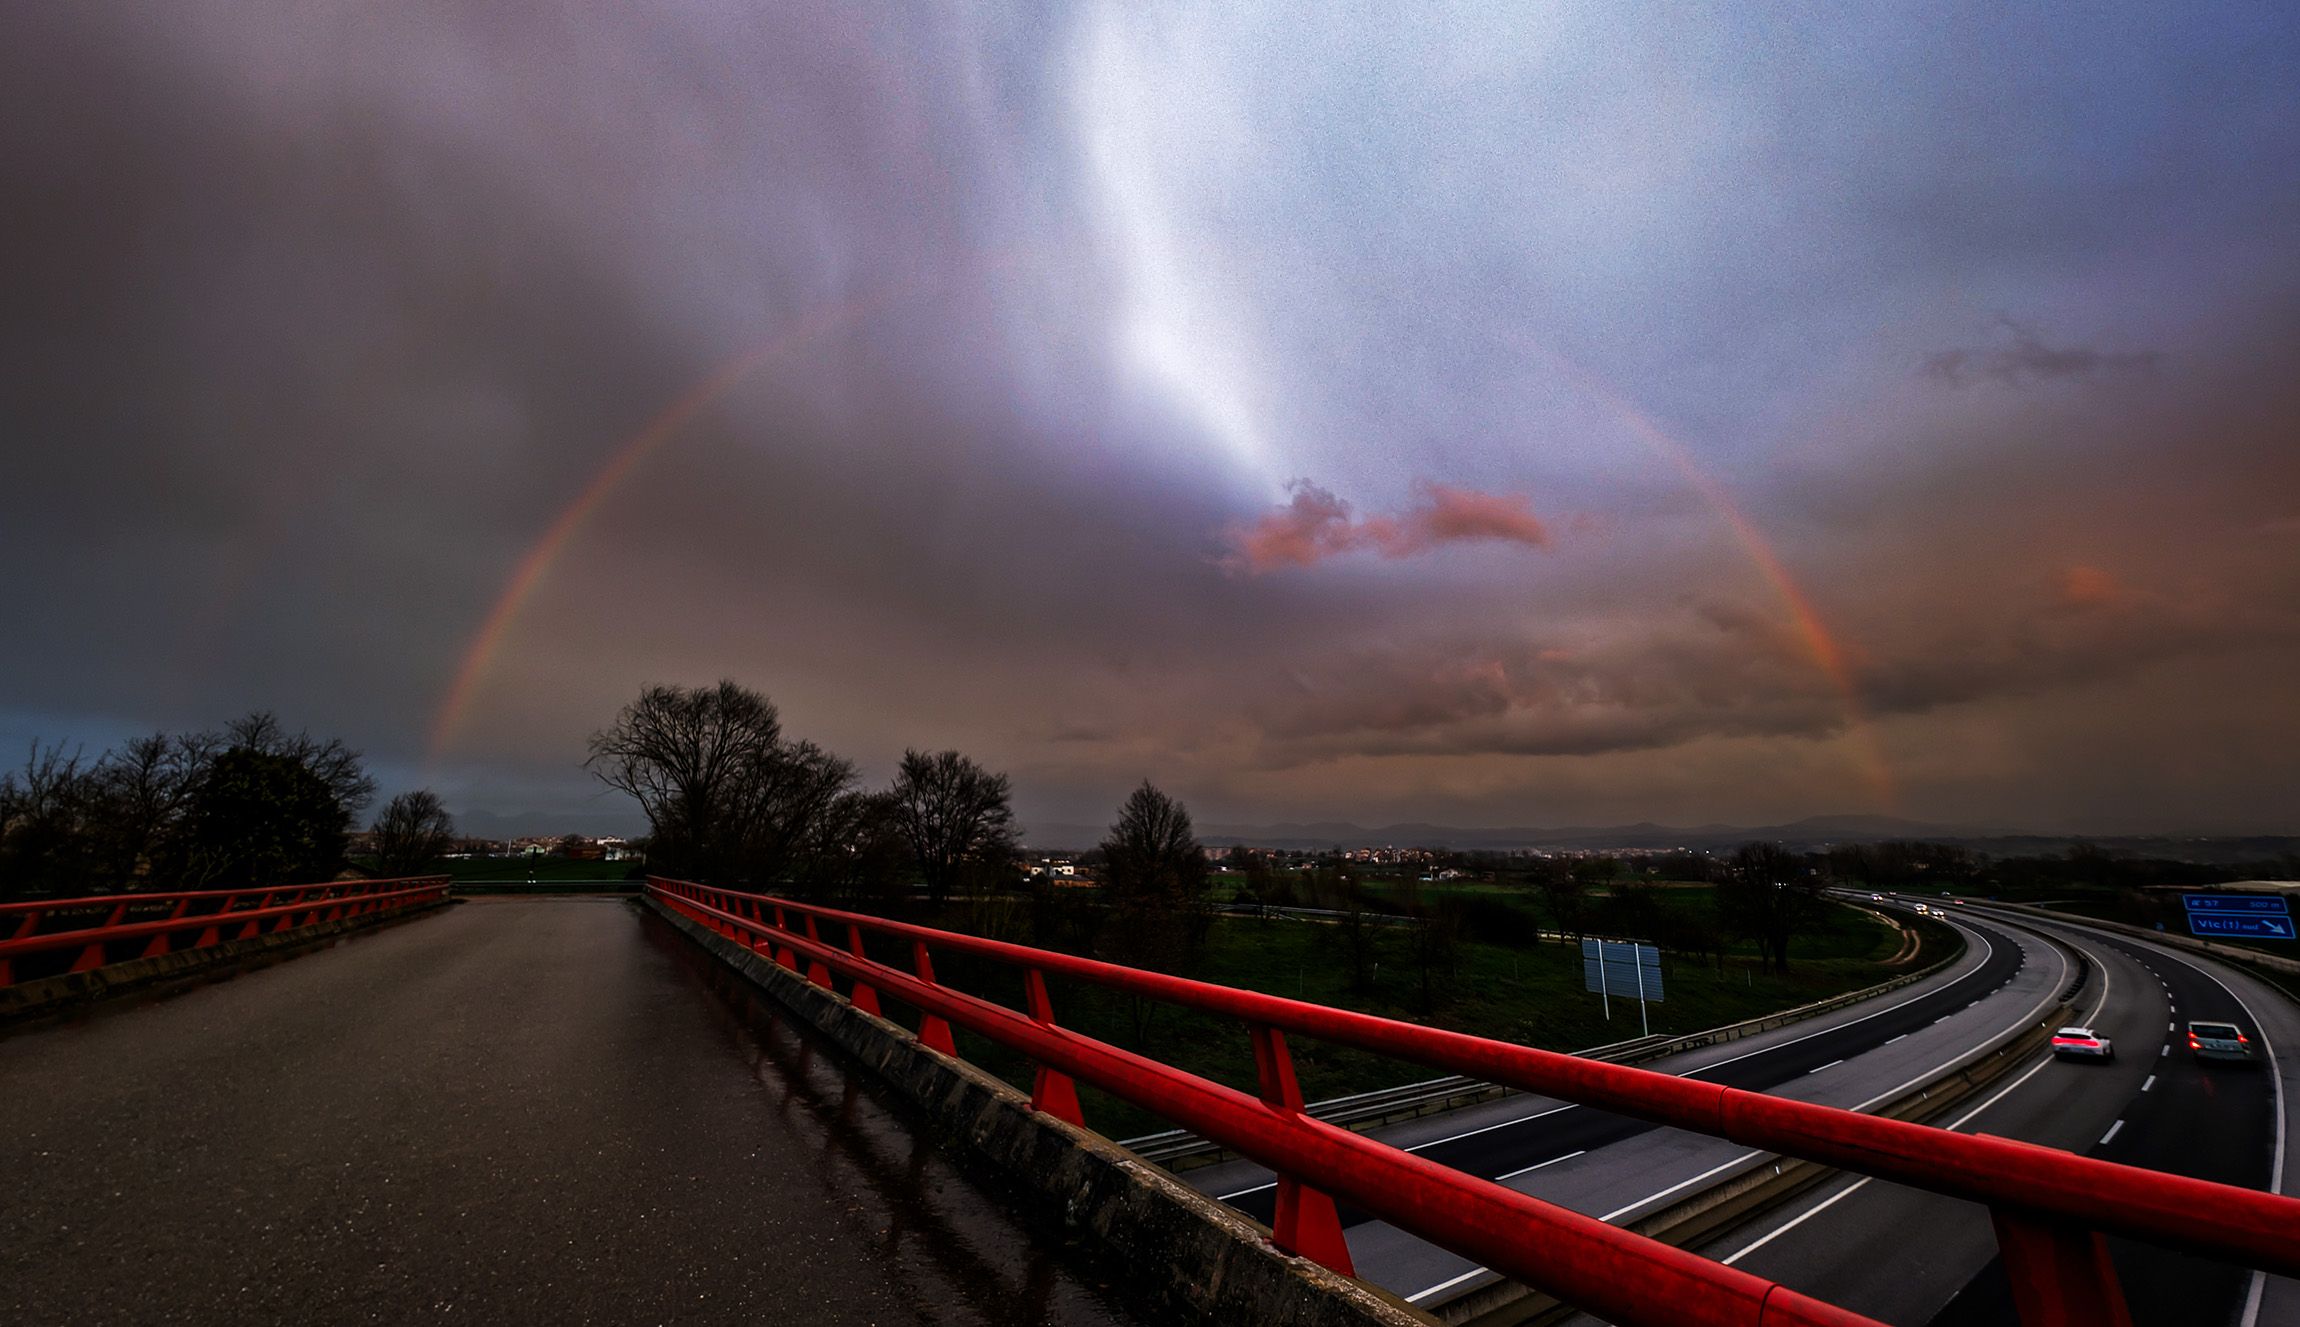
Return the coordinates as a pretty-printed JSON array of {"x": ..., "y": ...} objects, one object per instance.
[
  {"x": 1315, "y": 525},
  {"x": 2084, "y": 586}
]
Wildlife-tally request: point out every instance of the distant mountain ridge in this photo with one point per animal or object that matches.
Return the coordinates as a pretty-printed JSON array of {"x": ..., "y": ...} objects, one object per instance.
[
  {"x": 1809, "y": 833},
  {"x": 1644, "y": 834}
]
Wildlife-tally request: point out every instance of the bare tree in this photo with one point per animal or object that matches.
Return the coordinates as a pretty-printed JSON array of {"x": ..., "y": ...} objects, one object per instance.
[
  {"x": 690, "y": 756},
  {"x": 782, "y": 807},
  {"x": 330, "y": 761},
  {"x": 956, "y": 817},
  {"x": 1770, "y": 898},
  {"x": 855, "y": 852},
  {"x": 413, "y": 833},
  {"x": 47, "y": 822},
  {"x": 1154, "y": 875},
  {"x": 146, "y": 785}
]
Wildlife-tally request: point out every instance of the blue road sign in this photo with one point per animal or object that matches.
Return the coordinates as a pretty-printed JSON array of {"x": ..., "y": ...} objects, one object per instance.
[
  {"x": 2239, "y": 916},
  {"x": 1621, "y": 968},
  {"x": 2269, "y": 904},
  {"x": 2240, "y": 928}
]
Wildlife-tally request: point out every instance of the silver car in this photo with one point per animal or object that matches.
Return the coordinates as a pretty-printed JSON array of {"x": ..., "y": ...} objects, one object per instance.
[
  {"x": 2219, "y": 1041},
  {"x": 2078, "y": 1043}
]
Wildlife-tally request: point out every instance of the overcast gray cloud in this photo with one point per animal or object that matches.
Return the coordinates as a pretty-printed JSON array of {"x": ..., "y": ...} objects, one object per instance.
[{"x": 993, "y": 339}]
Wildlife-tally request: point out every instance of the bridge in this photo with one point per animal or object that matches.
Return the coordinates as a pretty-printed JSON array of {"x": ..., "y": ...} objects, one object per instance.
[{"x": 528, "y": 1109}]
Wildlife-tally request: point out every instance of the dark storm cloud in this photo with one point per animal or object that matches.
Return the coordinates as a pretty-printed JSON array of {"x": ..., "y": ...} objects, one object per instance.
[
  {"x": 317, "y": 316},
  {"x": 2024, "y": 357}
]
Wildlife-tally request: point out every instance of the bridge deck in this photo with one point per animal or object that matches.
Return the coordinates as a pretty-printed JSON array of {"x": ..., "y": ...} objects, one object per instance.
[{"x": 518, "y": 1111}]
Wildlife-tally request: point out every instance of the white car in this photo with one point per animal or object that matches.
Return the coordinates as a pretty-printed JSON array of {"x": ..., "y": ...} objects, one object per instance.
[
  {"x": 2080, "y": 1043},
  {"x": 2219, "y": 1041},
  {"x": 1876, "y": 898}
]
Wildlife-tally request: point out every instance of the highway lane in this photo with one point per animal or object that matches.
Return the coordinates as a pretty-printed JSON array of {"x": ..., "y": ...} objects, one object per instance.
[
  {"x": 1850, "y": 1241},
  {"x": 1847, "y": 1060},
  {"x": 1549, "y": 1131}
]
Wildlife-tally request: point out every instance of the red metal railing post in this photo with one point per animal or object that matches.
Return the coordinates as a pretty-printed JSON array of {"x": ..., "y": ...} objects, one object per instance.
[
  {"x": 863, "y": 996},
  {"x": 784, "y": 954},
  {"x": 817, "y": 972},
  {"x": 933, "y": 1029},
  {"x": 1306, "y": 1222},
  {"x": 2061, "y": 1274},
  {"x": 1050, "y": 1091}
]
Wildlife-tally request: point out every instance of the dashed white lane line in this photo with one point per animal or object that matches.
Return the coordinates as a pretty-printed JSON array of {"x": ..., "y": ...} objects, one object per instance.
[
  {"x": 1539, "y": 1164},
  {"x": 1842, "y": 1194},
  {"x": 2163, "y": 1051},
  {"x": 2113, "y": 1130},
  {"x": 1819, "y": 1067},
  {"x": 1445, "y": 1285},
  {"x": 1903, "y": 1037},
  {"x": 2149, "y": 1084}
]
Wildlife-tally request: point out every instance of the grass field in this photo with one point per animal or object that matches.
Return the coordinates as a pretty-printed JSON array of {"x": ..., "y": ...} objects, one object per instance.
[
  {"x": 538, "y": 868},
  {"x": 1532, "y": 995}
]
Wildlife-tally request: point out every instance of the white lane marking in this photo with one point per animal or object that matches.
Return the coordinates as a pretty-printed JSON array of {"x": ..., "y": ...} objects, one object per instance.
[
  {"x": 1682, "y": 1184},
  {"x": 2163, "y": 1051},
  {"x": 1903, "y": 1037},
  {"x": 1451, "y": 1282},
  {"x": 1420, "y": 1295},
  {"x": 1967, "y": 1118},
  {"x": 1808, "y": 1215},
  {"x": 1539, "y": 1164},
  {"x": 2276, "y": 1107},
  {"x": 1468, "y": 1133},
  {"x": 1989, "y": 952},
  {"x": 2171, "y": 1027},
  {"x": 2113, "y": 1131},
  {"x": 1819, "y": 1067},
  {"x": 2148, "y": 1084},
  {"x": 1960, "y": 1122}
]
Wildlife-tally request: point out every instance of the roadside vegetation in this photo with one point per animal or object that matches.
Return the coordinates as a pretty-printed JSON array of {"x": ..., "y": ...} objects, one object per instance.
[
  {"x": 1481, "y": 944},
  {"x": 252, "y": 804}
]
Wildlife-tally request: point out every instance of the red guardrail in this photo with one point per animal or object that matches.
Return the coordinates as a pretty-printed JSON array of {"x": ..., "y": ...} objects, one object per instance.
[
  {"x": 2051, "y": 1208},
  {"x": 148, "y": 925}
]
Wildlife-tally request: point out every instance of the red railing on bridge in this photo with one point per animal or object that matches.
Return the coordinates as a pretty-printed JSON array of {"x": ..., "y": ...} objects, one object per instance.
[
  {"x": 2051, "y": 1208},
  {"x": 116, "y": 927}
]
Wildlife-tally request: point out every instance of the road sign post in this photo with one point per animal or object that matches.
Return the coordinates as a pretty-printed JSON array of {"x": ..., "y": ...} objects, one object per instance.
[{"x": 1636, "y": 966}]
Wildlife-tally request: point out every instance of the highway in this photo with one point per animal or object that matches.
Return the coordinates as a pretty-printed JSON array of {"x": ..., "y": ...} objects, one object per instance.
[
  {"x": 1621, "y": 1169},
  {"x": 1904, "y": 1256}
]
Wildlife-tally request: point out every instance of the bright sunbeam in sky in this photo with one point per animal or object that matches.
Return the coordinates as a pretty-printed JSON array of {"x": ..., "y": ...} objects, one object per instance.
[
  {"x": 1181, "y": 330},
  {"x": 1121, "y": 391}
]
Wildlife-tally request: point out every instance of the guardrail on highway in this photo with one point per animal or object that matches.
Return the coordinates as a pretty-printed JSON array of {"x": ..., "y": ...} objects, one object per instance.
[
  {"x": 1179, "y": 1149},
  {"x": 84, "y": 934},
  {"x": 2051, "y": 1208}
]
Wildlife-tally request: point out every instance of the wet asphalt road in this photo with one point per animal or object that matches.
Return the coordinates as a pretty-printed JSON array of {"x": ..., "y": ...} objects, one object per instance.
[{"x": 518, "y": 1111}]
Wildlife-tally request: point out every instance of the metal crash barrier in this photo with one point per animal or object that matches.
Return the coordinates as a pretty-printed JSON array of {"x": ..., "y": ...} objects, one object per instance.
[{"x": 2051, "y": 1208}]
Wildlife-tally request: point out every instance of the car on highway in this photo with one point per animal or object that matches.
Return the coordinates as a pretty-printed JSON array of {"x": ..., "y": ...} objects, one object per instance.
[
  {"x": 1876, "y": 898},
  {"x": 2082, "y": 1043},
  {"x": 2219, "y": 1041}
]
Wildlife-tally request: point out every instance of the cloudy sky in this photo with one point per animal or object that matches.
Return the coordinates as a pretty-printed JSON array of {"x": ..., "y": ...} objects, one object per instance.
[{"x": 1510, "y": 414}]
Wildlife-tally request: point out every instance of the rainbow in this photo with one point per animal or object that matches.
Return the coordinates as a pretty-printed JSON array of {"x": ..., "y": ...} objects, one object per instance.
[
  {"x": 487, "y": 642},
  {"x": 1820, "y": 645}
]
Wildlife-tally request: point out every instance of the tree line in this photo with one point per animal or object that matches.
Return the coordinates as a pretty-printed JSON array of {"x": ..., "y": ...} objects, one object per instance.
[
  {"x": 248, "y": 804},
  {"x": 732, "y": 799}
]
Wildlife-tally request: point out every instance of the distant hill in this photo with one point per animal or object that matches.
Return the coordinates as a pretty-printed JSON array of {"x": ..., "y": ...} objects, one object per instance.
[{"x": 1810, "y": 833}]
